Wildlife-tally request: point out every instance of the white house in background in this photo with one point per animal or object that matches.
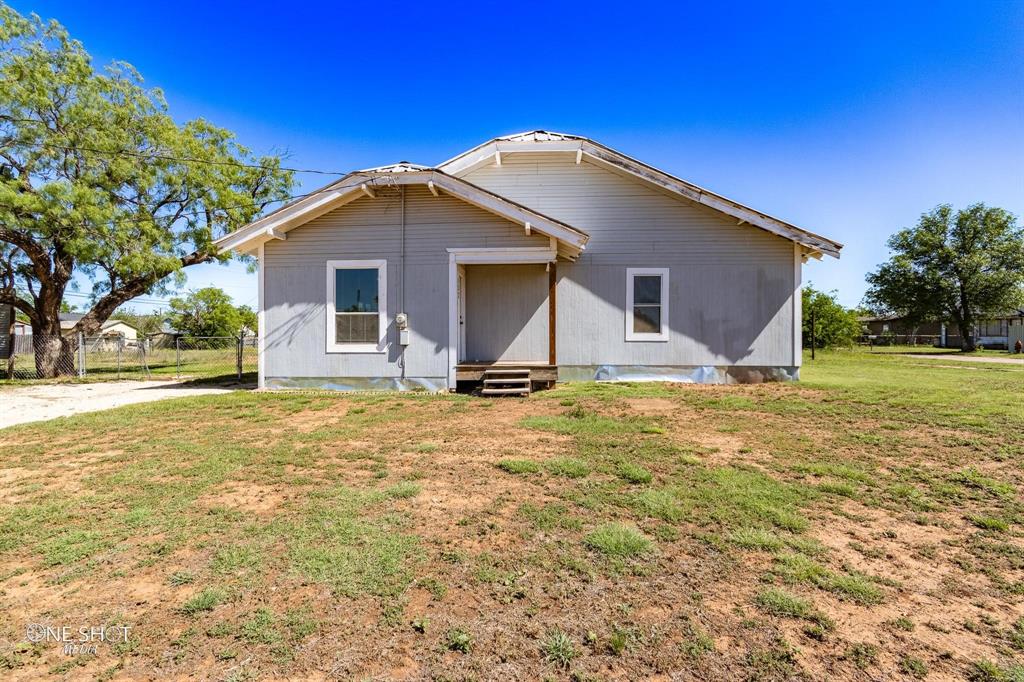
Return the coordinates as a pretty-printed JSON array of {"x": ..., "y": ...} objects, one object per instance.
[
  {"x": 111, "y": 329},
  {"x": 539, "y": 255}
]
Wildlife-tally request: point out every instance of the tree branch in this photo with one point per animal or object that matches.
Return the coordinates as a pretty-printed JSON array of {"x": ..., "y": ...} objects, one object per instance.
[{"x": 92, "y": 321}]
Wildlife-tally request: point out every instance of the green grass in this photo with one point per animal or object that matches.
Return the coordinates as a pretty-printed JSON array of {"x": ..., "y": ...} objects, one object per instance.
[
  {"x": 569, "y": 467},
  {"x": 519, "y": 466},
  {"x": 988, "y": 523},
  {"x": 633, "y": 473},
  {"x": 619, "y": 540},
  {"x": 778, "y": 602},
  {"x": 797, "y": 568},
  {"x": 756, "y": 538},
  {"x": 203, "y": 601},
  {"x": 379, "y": 510},
  {"x": 580, "y": 422},
  {"x": 550, "y": 516},
  {"x": 658, "y": 504}
]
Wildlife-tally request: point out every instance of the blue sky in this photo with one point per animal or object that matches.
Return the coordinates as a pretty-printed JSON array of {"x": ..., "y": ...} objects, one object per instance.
[{"x": 847, "y": 119}]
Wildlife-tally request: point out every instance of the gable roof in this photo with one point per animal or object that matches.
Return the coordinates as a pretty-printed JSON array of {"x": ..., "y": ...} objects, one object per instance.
[
  {"x": 275, "y": 225},
  {"x": 547, "y": 141},
  {"x": 69, "y": 320}
]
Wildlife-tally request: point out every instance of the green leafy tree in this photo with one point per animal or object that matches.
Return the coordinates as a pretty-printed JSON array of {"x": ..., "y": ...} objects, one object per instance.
[
  {"x": 210, "y": 312},
  {"x": 834, "y": 324},
  {"x": 145, "y": 323},
  {"x": 956, "y": 267},
  {"x": 97, "y": 179}
]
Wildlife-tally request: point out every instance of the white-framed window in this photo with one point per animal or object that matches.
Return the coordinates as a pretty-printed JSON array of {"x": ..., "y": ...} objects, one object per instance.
[
  {"x": 647, "y": 304},
  {"x": 357, "y": 295}
]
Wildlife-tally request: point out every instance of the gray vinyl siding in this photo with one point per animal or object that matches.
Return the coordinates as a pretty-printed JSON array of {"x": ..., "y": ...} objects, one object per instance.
[
  {"x": 507, "y": 313},
  {"x": 731, "y": 286},
  {"x": 295, "y": 284}
]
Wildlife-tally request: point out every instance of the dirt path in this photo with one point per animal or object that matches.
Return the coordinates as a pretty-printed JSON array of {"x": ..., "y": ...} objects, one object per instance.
[
  {"x": 49, "y": 401},
  {"x": 970, "y": 358}
]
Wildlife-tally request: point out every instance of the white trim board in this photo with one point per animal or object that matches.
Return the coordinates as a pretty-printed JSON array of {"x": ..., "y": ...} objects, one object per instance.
[
  {"x": 634, "y": 336},
  {"x": 481, "y": 256},
  {"x": 382, "y": 307},
  {"x": 276, "y": 225},
  {"x": 261, "y": 321},
  {"x": 545, "y": 142}
]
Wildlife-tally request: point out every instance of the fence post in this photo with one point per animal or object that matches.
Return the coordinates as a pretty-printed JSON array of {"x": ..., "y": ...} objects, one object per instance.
[
  {"x": 81, "y": 354},
  {"x": 177, "y": 356},
  {"x": 120, "y": 344},
  {"x": 238, "y": 354}
]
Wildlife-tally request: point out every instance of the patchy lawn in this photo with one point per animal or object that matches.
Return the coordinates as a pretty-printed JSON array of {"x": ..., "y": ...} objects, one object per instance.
[{"x": 864, "y": 524}]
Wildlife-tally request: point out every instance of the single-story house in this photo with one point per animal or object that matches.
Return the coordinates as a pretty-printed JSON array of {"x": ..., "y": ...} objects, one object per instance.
[
  {"x": 542, "y": 254},
  {"x": 999, "y": 332},
  {"x": 111, "y": 330}
]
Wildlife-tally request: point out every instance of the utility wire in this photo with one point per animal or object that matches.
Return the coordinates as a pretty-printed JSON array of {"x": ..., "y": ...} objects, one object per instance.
[
  {"x": 252, "y": 204},
  {"x": 171, "y": 157}
]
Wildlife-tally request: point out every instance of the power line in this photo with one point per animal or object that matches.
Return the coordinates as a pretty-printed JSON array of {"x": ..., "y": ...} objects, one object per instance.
[
  {"x": 171, "y": 157},
  {"x": 333, "y": 187},
  {"x": 135, "y": 221},
  {"x": 148, "y": 301}
]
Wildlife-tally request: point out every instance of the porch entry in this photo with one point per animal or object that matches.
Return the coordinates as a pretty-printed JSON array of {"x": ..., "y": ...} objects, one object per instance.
[
  {"x": 504, "y": 313},
  {"x": 501, "y": 314}
]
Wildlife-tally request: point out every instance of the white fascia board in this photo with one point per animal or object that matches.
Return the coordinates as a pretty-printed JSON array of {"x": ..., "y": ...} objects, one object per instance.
[
  {"x": 486, "y": 154},
  {"x": 710, "y": 199},
  {"x": 608, "y": 158},
  {"x": 505, "y": 256},
  {"x": 276, "y": 225}
]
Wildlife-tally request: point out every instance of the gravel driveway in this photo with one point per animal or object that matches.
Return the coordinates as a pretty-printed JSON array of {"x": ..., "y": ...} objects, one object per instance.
[
  {"x": 1008, "y": 360},
  {"x": 48, "y": 401}
]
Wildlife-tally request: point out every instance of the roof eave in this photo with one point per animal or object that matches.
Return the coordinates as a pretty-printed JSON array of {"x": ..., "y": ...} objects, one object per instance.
[
  {"x": 277, "y": 224},
  {"x": 484, "y": 153}
]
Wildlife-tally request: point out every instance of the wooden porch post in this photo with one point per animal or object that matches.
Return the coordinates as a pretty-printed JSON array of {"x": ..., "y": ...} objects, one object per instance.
[{"x": 552, "y": 316}]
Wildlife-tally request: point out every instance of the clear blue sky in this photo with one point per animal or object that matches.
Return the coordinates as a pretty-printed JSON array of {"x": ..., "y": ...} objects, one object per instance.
[{"x": 846, "y": 120}]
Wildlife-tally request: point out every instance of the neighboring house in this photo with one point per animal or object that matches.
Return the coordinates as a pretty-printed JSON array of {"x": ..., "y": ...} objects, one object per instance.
[
  {"x": 999, "y": 332},
  {"x": 110, "y": 331},
  {"x": 542, "y": 251},
  {"x": 22, "y": 328},
  {"x": 166, "y": 337},
  {"x": 895, "y": 329}
]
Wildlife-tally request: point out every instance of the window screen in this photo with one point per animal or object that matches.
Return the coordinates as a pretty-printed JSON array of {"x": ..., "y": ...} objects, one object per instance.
[
  {"x": 647, "y": 304},
  {"x": 356, "y": 305}
]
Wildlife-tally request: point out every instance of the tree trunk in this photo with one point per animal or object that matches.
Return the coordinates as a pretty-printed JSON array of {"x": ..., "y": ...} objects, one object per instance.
[
  {"x": 55, "y": 355},
  {"x": 968, "y": 343}
]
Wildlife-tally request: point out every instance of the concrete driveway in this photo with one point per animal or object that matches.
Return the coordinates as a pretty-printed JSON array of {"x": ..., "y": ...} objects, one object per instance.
[{"x": 48, "y": 401}]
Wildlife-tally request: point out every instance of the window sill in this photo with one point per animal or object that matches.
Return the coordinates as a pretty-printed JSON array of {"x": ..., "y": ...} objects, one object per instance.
[
  {"x": 646, "y": 339},
  {"x": 362, "y": 348}
]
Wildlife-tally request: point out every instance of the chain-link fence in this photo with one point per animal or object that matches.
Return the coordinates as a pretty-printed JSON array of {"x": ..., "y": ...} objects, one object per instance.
[{"x": 206, "y": 358}]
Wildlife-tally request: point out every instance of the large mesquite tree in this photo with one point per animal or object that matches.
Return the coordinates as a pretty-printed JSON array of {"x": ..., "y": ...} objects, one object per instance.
[
  {"x": 97, "y": 179},
  {"x": 958, "y": 267}
]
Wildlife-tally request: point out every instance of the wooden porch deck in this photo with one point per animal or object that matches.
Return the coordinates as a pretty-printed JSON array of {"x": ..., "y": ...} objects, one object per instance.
[{"x": 474, "y": 371}]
